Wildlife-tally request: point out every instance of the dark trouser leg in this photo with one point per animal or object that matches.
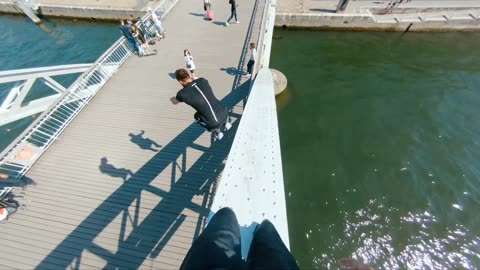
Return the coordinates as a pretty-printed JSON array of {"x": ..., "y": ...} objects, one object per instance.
[
  {"x": 218, "y": 246},
  {"x": 200, "y": 121},
  {"x": 231, "y": 16},
  {"x": 235, "y": 14},
  {"x": 250, "y": 66},
  {"x": 268, "y": 250},
  {"x": 134, "y": 44}
]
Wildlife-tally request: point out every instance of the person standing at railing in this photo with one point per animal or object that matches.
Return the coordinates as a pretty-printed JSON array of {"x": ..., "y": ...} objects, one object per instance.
[
  {"x": 140, "y": 36},
  {"x": 125, "y": 29},
  {"x": 251, "y": 62}
]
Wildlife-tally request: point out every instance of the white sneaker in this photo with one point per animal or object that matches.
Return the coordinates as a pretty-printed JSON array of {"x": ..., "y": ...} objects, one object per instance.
[
  {"x": 248, "y": 75},
  {"x": 218, "y": 135},
  {"x": 226, "y": 23},
  {"x": 228, "y": 126},
  {"x": 237, "y": 22}
]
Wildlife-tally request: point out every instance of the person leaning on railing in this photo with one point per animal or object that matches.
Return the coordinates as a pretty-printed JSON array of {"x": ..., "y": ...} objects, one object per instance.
[{"x": 125, "y": 29}]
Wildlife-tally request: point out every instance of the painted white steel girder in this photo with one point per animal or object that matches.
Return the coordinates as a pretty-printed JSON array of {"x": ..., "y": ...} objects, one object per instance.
[
  {"x": 252, "y": 181},
  {"x": 13, "y": 106}
]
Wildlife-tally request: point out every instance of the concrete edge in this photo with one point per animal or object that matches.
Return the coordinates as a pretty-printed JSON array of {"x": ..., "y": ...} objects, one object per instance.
[
  {"x": 95, "y": 13},
  {"x": 365, "y": 22}
]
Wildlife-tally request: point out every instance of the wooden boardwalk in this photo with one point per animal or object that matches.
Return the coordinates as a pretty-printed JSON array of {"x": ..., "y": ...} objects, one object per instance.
[{"x": 129, "y": 183}]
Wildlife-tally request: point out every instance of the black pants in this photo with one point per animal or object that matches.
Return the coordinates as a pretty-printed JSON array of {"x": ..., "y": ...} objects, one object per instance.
[
  {"x": 218, "y": 247},
  {"x": 250, "y": 66},
  {"x": 212, "y": 125}
]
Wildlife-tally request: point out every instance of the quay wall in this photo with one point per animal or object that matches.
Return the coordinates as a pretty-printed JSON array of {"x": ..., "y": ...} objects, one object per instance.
[
  {"x": 96, "y": 13},
  {"x": 367, "y": 22},
  {"x": 327, "y": 21}
]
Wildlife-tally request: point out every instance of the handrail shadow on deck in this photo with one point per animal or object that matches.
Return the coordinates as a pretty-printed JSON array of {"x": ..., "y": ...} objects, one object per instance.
[{"x": 148, "y": 237}]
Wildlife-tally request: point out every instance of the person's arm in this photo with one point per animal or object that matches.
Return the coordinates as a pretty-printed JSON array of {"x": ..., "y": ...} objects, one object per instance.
[{"x": 177, "y": 99}]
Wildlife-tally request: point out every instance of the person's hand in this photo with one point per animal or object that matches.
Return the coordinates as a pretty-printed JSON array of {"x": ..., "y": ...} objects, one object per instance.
[{"x": 174, "y": 100}]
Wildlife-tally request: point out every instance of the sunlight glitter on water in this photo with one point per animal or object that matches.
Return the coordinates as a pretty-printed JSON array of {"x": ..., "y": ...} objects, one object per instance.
[{"x": 421, "y": 249}]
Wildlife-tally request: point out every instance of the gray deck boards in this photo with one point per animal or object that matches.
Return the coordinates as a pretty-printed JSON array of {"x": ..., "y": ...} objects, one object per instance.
[{"x": 142, "y": 208}]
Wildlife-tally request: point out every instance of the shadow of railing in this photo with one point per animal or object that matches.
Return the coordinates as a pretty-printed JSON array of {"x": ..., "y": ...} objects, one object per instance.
[{"x": 149, "y": 237}]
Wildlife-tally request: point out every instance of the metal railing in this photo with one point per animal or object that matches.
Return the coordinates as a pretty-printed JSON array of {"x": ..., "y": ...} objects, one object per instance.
[
  {"x": 263, "y": 43},
  {"x": 467, "y": 14},
  {"x": 21, "y": 154}
]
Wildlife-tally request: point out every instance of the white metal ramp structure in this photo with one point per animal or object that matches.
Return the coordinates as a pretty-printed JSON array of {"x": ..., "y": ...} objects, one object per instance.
[
  {"x": 14, "y": 106},
  {"x": 28, "y": 7},
  {"x": 252, "y": 182}
]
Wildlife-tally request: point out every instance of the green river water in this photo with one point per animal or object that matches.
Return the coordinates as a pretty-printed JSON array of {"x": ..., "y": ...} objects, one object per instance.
[{"x": 380, "y": 141}]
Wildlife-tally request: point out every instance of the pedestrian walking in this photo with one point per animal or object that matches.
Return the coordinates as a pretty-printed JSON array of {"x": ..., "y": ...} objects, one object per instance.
[
  {"x": 210, "y": 112},
  {"x": 189, "y": 62},
  {"x": 251, "y": 62},
  {"x": 233, "y": 12},
  {"x": 125, "y": 29},
  {"x": 160, "y": 31}
]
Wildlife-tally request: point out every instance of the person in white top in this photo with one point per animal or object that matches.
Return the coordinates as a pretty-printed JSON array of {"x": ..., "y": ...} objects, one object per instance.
[
  {"x": 158, "y": 24},
  {"x": 207, "y": 5},
  {"x": 189, "y": 62},
  {"x": 251, "y": 62}
]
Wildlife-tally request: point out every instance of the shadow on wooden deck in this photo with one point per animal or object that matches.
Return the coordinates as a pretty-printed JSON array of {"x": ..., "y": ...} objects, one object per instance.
[{"x": 148, "y": 237}]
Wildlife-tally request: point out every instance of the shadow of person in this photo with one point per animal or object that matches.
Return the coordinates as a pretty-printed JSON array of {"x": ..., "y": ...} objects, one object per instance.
[
  {"x": 231, "y": 71},
  {"x": 196, "y": 14},
  {"x": 324, "y": 10},
  {"x": 109, "y": 169},
  {"x": 8, "y": 181},
  {"x": 144, "y": 143},
  {"x": 219, "y": 23}
]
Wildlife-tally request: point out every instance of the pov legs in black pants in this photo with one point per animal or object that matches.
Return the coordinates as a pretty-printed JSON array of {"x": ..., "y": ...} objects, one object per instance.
[
  {"x": 218, "y": 247},
  {"x": 268, "y": 251}
]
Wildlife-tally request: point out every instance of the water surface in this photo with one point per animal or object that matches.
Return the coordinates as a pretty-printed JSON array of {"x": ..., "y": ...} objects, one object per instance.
[{"x": 380, "y": 145}]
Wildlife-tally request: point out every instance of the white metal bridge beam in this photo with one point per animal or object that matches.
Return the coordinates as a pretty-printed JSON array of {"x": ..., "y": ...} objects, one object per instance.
[{"x": 14, "y": 108}]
